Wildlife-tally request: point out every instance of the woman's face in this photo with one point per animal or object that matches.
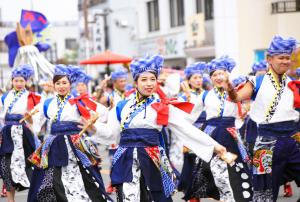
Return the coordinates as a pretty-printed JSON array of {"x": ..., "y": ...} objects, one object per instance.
[
  {"x": 146, "y": 83},
  {"x": 18, "y": 83},
  {"x": 81, "y": 88},
  {"x": 196, "y": 81},
  {"x": 218, "y": 77},
  {"x": 62, "y": 86}
]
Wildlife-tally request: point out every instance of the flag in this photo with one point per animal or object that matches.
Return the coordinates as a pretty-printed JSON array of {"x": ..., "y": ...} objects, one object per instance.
[
  {"x": 38, "y": 23},
  {"x": 37, "y": 20}
]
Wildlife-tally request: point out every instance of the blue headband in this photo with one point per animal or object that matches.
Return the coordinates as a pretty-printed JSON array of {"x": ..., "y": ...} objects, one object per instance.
[
  {"x": 25, "y": 71},
  {"x": 237, "y": 81},
  {"x": 281, "y": 46},
  {"x": 120, "y": 72},
  {"x": 195, "y": 68},
  {"x": 148, "y": 64},
  {"x": 223, "y": 63},
  {"x": 82, "y": 77},
  {"x": 72, "y": 72},
  {"x": 259, "y": 66}
]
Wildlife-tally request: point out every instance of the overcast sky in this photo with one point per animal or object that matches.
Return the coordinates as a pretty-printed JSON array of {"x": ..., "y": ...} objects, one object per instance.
[{"x": 54, "y": 10}]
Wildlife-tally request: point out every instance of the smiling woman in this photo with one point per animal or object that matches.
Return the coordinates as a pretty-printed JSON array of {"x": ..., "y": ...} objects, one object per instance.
[
  {"x": 66, "y": 163},
  {"x": 140, "y": 169}
]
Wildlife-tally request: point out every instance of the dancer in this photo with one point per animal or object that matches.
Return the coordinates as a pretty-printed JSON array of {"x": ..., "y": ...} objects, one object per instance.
[
  {"x": 66, "y": 163},
  {"x": 140, "y": 168},
  {"x": 17, "y": 140},
  {"x": 274, "y": 100}
]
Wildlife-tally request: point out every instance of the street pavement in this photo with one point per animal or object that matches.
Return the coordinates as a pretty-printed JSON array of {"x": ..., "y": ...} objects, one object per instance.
[{"x": 22, "y": 196}]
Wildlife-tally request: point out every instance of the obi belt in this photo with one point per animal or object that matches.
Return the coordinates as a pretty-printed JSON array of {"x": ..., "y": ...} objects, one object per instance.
[
  {"x": 53, "y": 151},
  {"x": 217, "y": 129},
  {"x": 285, "y": 128},
  {"x": 154, "y": 164},
  {"x": 7, "y": 145}
]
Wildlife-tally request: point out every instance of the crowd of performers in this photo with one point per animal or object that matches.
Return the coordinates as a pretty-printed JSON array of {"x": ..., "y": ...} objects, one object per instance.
[{"x": 49, "y": 141}]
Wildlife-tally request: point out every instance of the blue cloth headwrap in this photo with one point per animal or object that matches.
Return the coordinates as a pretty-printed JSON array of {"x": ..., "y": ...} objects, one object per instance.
[
  {"x": 222, "y": 63},
  {"x": 298, "y": 71},
  {"x": 82, "y": 77},
  {"x": 259, "y": 66},
  {"x": 237, "y": 81},
  {"x": 120, "y": 72},
  {"x": 195, "y": 68},
  {"x": 25, "y": 71},
  {"x": 148, "y": 64},
  {"x": 72, "y": 72},
  {"x": 281, "y": 46}
]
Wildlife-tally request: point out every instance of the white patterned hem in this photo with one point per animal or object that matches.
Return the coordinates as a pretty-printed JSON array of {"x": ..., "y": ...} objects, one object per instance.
[
  {"x": 72, "y": 179},
  {"x": 220, "y": 173},
  {"x": 131, "y": 190},
  {"x": 17, "y": 165}
]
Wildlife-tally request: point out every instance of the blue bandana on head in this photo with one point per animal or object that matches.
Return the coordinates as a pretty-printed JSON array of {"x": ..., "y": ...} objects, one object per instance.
[
  {"x": 195, "y": 68},
  {"x": 25, "y": 71},
  {"x": 259, "y": 66},
  {"x": 120, "y": 72},
  {"x": 237, "y": 81},
  {"x": 82, "y": 77},
  {"x": 281, "y": 46},
  {"x": 148, "y": 64},
  {"x": 72, "y": 72},
  {"x": 298, "y": 71},
  {"x": 223, "y": 63}
]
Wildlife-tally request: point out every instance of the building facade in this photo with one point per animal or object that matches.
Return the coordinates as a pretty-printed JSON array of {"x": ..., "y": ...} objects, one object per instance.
[{"x": 185, "y": 31}]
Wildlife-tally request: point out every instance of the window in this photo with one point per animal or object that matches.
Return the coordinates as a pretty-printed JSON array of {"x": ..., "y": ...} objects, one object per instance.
[
  {"x": 153, "y": 15},
  {"x": 177, "y": 13},
  {"x": 199, "y": 6},
  {"x": 71, "y": 44},
  {"x": 209, "y": 9}
]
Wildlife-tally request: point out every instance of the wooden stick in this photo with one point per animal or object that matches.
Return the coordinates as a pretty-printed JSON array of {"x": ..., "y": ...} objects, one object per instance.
[
  {"x": 30, "y": 114},
  {"x": 91, "y": 121}
]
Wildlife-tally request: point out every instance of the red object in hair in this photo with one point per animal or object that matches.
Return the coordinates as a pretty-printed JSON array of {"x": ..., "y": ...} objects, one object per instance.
[
  {"x": 33, "y": 100},
  {"x": 162, "y": 107},
  {"x": 88, "y": 103},
  {"x": 295, "y": 87}
]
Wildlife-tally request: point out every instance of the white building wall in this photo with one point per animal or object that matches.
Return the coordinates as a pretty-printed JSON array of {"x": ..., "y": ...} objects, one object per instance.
[{"x": 226, "y": 30}]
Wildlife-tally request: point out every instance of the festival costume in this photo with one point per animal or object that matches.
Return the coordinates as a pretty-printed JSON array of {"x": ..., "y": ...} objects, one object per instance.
[
  {"x": 275, "y": 152},
  {"x": 140, "y": 169},
  {"x": 231, "y": 183},
  {"x": 66, "y": 163},
  {"x": 17, "y": 140},
  {"x": 190, "y": 158}
]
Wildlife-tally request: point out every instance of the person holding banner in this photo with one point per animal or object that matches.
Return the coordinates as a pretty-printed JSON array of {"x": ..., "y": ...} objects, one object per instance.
[
  {"x": 66, "y": 162},
  {"x": 17, "y": 140}
]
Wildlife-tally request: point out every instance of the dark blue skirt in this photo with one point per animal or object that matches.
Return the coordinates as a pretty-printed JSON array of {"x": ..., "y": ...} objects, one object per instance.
[{"x": 47, "y": 182}]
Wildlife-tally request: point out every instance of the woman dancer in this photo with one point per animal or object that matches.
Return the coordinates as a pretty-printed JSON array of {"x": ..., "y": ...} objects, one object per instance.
[
  {"x": 17, "y": 141},
  {"x": 66, "y": 162},
  {"x": 140, "y": 168}
]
